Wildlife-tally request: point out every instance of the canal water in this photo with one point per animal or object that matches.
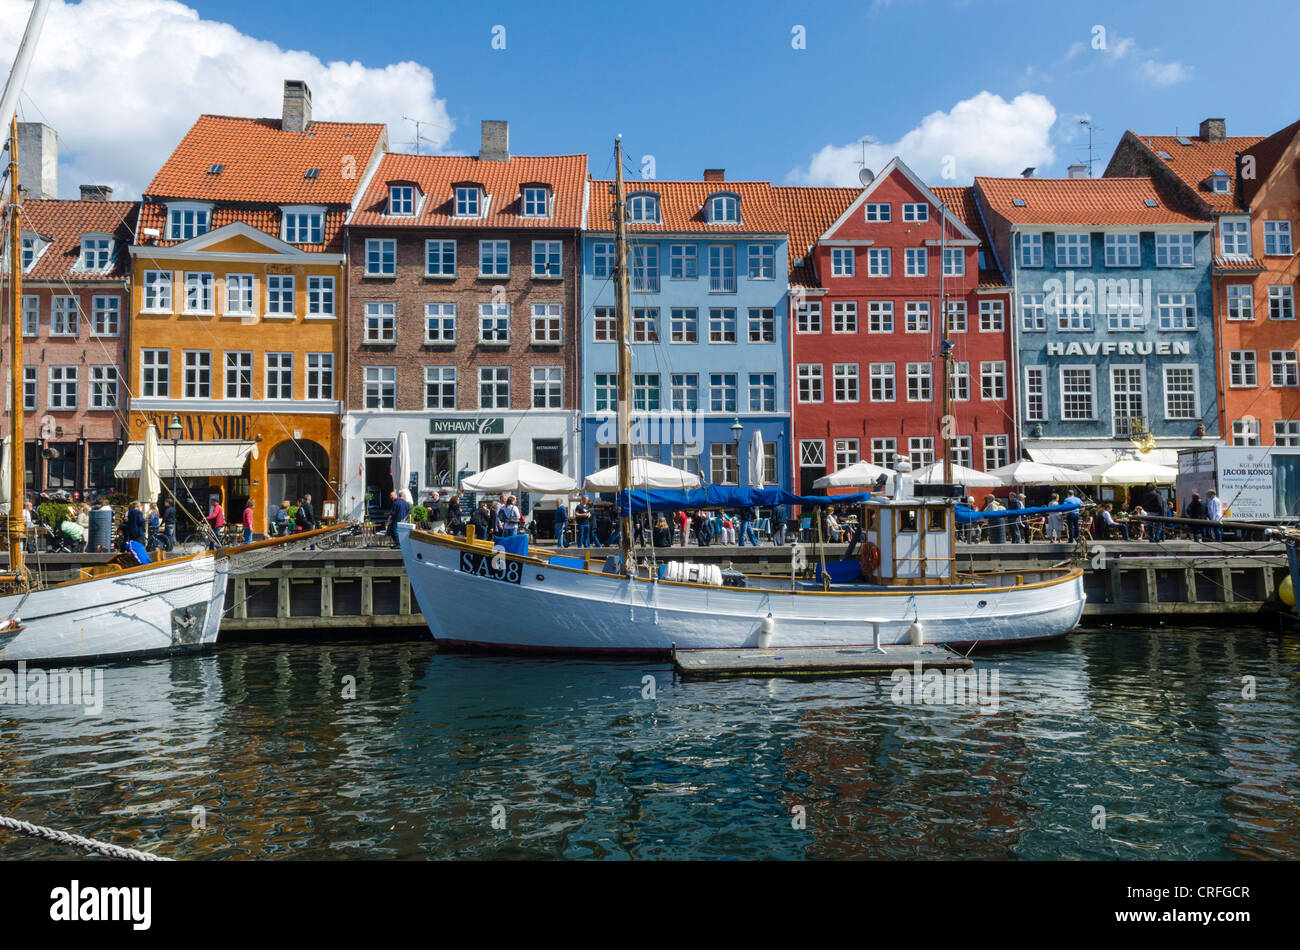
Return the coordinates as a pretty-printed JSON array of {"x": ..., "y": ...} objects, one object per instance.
[{"x": 1172, "y": 743}]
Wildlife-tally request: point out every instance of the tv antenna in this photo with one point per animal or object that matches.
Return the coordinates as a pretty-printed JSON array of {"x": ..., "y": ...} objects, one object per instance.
[
  {"x": 865, "y": 175},
  {"x": 1087, "y": 124},
  {"x": 418, "y": 139}
]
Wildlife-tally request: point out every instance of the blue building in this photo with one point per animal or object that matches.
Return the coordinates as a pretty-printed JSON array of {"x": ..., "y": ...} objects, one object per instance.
[
  {"x": 1114, "y": 329},
  {"x": 709, "y": 328}
]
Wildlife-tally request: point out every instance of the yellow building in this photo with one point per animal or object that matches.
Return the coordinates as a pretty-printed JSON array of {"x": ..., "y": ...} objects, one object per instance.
[{"x": 237, "y": 309}]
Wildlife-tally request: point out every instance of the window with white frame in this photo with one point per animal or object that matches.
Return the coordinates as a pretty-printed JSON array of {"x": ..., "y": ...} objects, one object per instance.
[
  {"x": 1036, "y": 393},
  {"x": 684, "y": 325},
  {"x": 440, "y": 323},
  {"x": 920, "y": 450},
  {"x": 812, "y": 453},
  {"x": 1123, "y": 305},
  {"x": 882, "y": 382},
  {"x": 997, "y": 451},
  {"x": 63, "y": 388},
  {"x": 808, "y": 316},
  {"x": 381, "y": 257},
  {"x": 380, "y": 387},
  {"x": 1122, "y": 250},
  {"x": 722, "y": 269},
  {"x": 1245, "y": 431},
  {"x": 28, "y": 255},
  {"x": 645, "y": 324},
  {"x": 547, "y": 258},
  {"x": 724, "y": 209},
  {"x": 684, "y": 456},
  {"x": 643, "y": 208},
  {"x": 1281, "y": 302},
  {"x": 646, "y": 392},
  {"x": 1241, "y": 302},
  {"x": 494, "y": 258},
  {"x": 1031, "y": 250},
  {"x": 1286, "y": 432},
  {"x": 884, "y": 452},
  {"x": 185, "y": 222},
  {"x": 63, "y": 316},
  {"x": 845, "y": 377},
  {"x": 722, "y": 392},
  {"x": 1176, "y": 311},
  {"x": 879, "y": 262},
  {"x": 239, "y": 374},
  {"x": 1073, "y": 250},
  {"x": 959, "y": 382},
  {"x": 199, "y": 292},
  {"x": 916, "y": 212},
  {"x": 960, "y": 446},
  {"x": 494, "y": 323},
  {"x": 1074, "y": 311},
  {"x": 809, "y": 376},
  {"x": 381, "y": 321},
  {"x": 468, "y": 201},
  {"x": 401, "y": 200},
  {"x": 1277, "y": 237},
  {"x": 846, "y": 453},
  {"x": 103, "y": 387},
  {"x": 604, "y": 325},
  {"x": 602, "y": 260},
  {"x": 158, "y": 291},
  {"x": 954, "y": 262},
  {"x": 320, "y": 296},
  {"x": 762, "y": 392},
  {"x": 1078, "y": 393},
  {"x": 762, "y": 261},
  {"x": 96, "y": 253},
  {"x": 303, "y": 227},
  {"x": 956, "y": 316},
  {"x": 684, "y": 391},
  {"x": 105, "y": 315},
  {"x": 31, "y": 383},
  {"x": 440, "y": 258},
  {"x": 279, "y": 376},
  {"x": 645, "y": 268},
  {"x": 842, "y": 262},
  {"x": 920, "y": 382},
  {"x": 914, "y": 261},
  {"x": 548, "y": 324},
  {"x": 722, "y": 325},
  {"x": 440, "y": 387},
  {"x": 876, "y": 211},
  {"x": 880, "y": 316},
  {"x": 494, "y": 387},
  {"x": 606, "y": 391},
  {"x": 548, "y": 387},
  {"x": 1234, "y": 237},
  {"x": 992, "y": 318},
  {"x": 724, "y": 465},
  {"x": 1033, "y": 311},
  {"x": 1285, "y": 368},
  {"x": 844, "y": 316},
  {"x": 1175, "y": 250},
  {"x": 683, "y": 261},
  {"x": 1181, "y": 396},
  {"x": 917, "y": 313},
  {"x": 762, "y": 325},
  {"x": 31, "y": 315},
  {"x": 536, "y": 202},
  {"x": 197, "y": 375},
  {"x": 239, "y": 295},
  {"x": 1128, "y": 405},
  {"x": 155, "y": 374},
  {"x": 1243, "y": 370},
  {"x": 320, "y": 375}
]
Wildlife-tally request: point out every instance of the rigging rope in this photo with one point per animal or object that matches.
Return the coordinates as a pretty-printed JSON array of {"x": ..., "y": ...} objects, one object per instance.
[{"x": 77, "y": 841}]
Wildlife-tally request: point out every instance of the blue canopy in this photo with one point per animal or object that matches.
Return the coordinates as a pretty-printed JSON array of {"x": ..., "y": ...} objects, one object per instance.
[
  {"x": 725, "y": 496},
  {"x": 967, "y": 515}
]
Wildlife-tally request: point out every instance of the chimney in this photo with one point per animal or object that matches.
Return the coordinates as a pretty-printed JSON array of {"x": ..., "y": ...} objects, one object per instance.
[
  {"x": 495, "y": 141},
  {"x": 38, "y": 160},
  {"x": 96, "y": 192},
  {"x": 297, "y": 106},
  {"x": 1078, "y": 171},
  {"x": 1028, "y": 172},
  {"x": 1214, "y": 130},
  {"x": 715, "y": 174}
]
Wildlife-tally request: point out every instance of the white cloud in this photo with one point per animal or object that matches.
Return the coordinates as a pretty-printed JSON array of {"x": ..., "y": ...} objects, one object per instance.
[
  {"x": 1165, "y": 74},
  {"x": 982, "y": 135},
  {"x": 121, "y": 81}
]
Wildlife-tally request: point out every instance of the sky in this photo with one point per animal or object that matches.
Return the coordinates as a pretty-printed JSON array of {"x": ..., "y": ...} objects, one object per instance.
[{"x": 783, "y": 92}]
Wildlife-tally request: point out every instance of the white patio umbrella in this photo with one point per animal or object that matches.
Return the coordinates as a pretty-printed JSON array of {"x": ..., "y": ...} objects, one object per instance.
[
  {"x": 645, "y": 474},
  {"x": 4, "y": 476},
  {"x": 1132, "y": 472},
  {"x": 150, "y": 483},
  {"x": 400, "y": 468},
  {"x": 519, "y": 475},
  {"x": 857, "y": 475},
  {"x": 961, "y": 475},
  {"x": 756, "y": 460},
  {"x": 1026, "y": 472}
]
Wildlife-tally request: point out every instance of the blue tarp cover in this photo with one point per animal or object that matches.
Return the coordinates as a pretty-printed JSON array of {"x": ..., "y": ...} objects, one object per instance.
[
  {"x": 725, "y": 496},
  {"x": 967, "y": 515},
  {"x": 513, "y": 544}
]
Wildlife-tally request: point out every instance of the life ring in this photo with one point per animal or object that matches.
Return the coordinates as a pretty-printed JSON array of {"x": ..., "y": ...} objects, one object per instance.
[{"x": 869, "y": 558}]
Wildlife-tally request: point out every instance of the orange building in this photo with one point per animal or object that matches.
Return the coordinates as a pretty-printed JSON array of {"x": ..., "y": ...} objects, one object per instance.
[{"x": 237, "y": 308}]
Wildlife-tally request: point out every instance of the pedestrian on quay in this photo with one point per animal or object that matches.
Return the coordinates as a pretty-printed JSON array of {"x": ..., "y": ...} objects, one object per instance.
[
  {"x": 399, "y": 510},
  {"x": 1072, "y": 517},
  {"x": 169, "y": 524},
  {"x": 997, "y": 530},
  {"x": 216, "y": 521},
  {"x": 703, "y": 528},
  {"x": 747, "y": 518},
  {"x": 1018, "y": 534},
  {"x": 683, "y": 520},
  {"x": 663, "y": 533},
  {"x": 152, "y": 521},
  {"x": 582, "y": 519},
  {"x": 509, "y": 517},
  {"x": 561, "y": 521},
  {"x": 1214, "y": 511},
  {"x": 135, "y": 523},
  {"x": 280, "y": 524},
  {"x": 1197, "y": 511},
  {"x": 1154, "y": 505},
  {"x": 306, "y": 515},
  {"x": 1055, "y": 520},
  {"x": 455, "y": 520},
  {"x": 481, "y": 520},
  {"x": 248, "y": 521}
]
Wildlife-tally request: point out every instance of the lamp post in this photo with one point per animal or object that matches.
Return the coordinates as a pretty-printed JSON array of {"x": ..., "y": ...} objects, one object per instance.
[
  {"x": 736, "y": 430},
  {"x": 174, "y": 430}
]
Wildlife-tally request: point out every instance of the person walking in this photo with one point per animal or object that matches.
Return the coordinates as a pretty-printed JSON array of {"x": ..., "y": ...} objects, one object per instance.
[
  {"x": 1055, "y": 520},
  {"x": 169, "y": 524},
  {"x": 1214, "y": 511},
  {"x": 248, "y": 521},
  {"x": 1197, "y": 511},
  {"x": 747, "y": 516},
  {"x": 509, "y": 517},
  {"x": 1017, "y": 528},
  {"x": 561, "y": 522},
  {"x": 135, "y": 523},
  {"x": 1072, "y": 517},
  {"x": 151, "y": 528},
  {"x": 280, "y": 524},
  {"x": 481, "y": 521},
  {"x": 683, "y": 520},
  {"x": 306, "y": 516},
  {"x": 399, "y": 510},
  {"x": 582, "y": 518},
  {"x": 1153, "y": 503},
  {"x": 216, "y": 519}
]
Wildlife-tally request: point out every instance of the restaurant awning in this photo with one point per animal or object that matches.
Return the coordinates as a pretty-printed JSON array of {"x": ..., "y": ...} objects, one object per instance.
[
  {"x": 194, "y": 459},
  {"x": 1081, "y": 456}
]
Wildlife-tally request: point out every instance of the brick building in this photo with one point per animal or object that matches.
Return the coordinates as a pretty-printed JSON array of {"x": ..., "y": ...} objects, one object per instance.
[{"x": 463, "y": 314}]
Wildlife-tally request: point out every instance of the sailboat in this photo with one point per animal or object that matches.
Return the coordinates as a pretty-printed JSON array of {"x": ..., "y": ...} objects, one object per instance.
[
  {"x": 904, "y": 588},
  {"x": 135, "y": 605}
]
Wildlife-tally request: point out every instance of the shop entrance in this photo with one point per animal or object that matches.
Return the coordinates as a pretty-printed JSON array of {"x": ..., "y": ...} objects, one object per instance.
[{"x": 294, "y": 469}]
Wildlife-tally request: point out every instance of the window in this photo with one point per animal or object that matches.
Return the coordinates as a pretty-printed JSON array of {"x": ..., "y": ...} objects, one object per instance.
[
  {"x": 494, "y": 258},
  {"x": 494, "y": 387},
  {"x": 808, "y": 316},
  {"x": 381, "y": 321},
  {"x": 279, "y": 375},
  {"x": 722, "y": 269},
  {"x": 304, "y": 227},
  {"x": 914, "y": 262},
  {"x": 239, "y": 295},
  {"x": 956, "y": 316},
  {"x": 1286, "y": 432},
  {"x": 882, "y": 382},
  {"x": 546, "y": 258},
  {"x": 991, "y": 316},
  {"x": 1234, "y": 237},
  {"x": 155, "y": 374},
  {"x": 1245, "y": 432},
  {"x": 954, "y": 262},
  {"x": 762, "y": 325},
  {"x": 535, "y": 203},
  {"x": 919, "y": 382},
  {"x": 997, "y": 452},
  {"x": 440, "y": 258},
  {"x": 198, "y": 293},
  {"x": 1128, "y": 400},
  {"x": 1241, "y": 302},
  {"x": 645, "y": 324},
  {"x": 186, "y": 223},
  {"x": 1277, "y": 237},
  {"x": 684, "y": 325},
  {"x": 683, "y": 261},
  {"x": 960, "y": 448},
  {"x": 157, "y": 291},
  {"x": 1033, "y": 311},
  {"x": 440, "y": 387},
  {"x": 646, "y": 392},
  {"x": 1073, "y": 250},
  {"x": 1176, "y": 311},
  {"x": 762, "y": 392},
  {"x": 28, "y": 253},
  {"x": 380, "y": 387},
  {"x": 198, "y": 375},
  {"x": 878, "y": 262},
  {"x": 103, "y": 387},
  {"x": 1124, "y": 306},
  {"x": 105, "y": 315},
  {"x": 1174, "y": 250},
  {"x": 845, "y": 377},
  {"x": 1281, "y": 302},
  {"x": 812, "y": 453},
  {"x": 762, "y": 261},
  {"x": 606, "y": 392},
  {"x": 722, "y": 392},
  {"x": 722, "y": 325},
  {"x": 467, "y": 202},
  {"x": 604, "y": 325},
  {"x": 846, "y": 453},
  {"x": 320, "y": 375},
  {"x": 877, "y": 212},
  {"x": 810, "y": 382},
  {"x": 685, "y": 456},
  {"x": 1078, "y": 391},
  {"x": 918, "y": 316},
  {"x": 239, "y": 374},
  {"x": 1285, "y": 367},
  {"x": 381, "y": 257},
  {"x": 494, "y": 323},
  {"x": 723, "y": 467},
  {"x": 959, "y": 382},
  {"x": 920, "y": 451},
  {"x": 602, "y": 260},
  {"x": 97, "y": 253},
  {"x": 29, "y": 388},
  {"x": 884, "y": 452},
  {"x": 548, "y": 387},
  {"x": 645, "y": 268},
  {"x": 606, "y": 456},
  {"x": 684, "y": 392},
  {"x": 724, "y": 209},
  {"x": 31, "y": 315},
  {"x": 1036, "y": 394},
  {"x": 63, "y": 316},
  {"x": 643, "y": 208},
  {"x": 1181, "y": 401},
  {"x": 1074, "y": 311},
  {"x": 1242, "y": 369},
  {"x": 279, "y": 295},
  {"x": 916, "y": 212},
  {"x": 401, "y": 200},
  {"x": 320, "y": 296},
  {"x": 842, "y": 262},
  {"x": 1122, "y": 250},
  {"x": 880, "y": 316},
  {"x": 440, "y": 323},
  {"x": 63, "y": 388},
  {"x": 844, "y": 316},
  {"x": 547, "y": 324},
  {"x": 1031, "y": 250}
]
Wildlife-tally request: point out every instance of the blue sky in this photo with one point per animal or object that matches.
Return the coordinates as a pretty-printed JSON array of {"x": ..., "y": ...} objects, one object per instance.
[{"x": 718, "y": 84}]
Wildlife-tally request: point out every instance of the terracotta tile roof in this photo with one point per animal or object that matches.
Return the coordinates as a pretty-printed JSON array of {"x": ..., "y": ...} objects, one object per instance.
[
  {"x": 262, "y": 218},
  {"x": 62, "y": 223},
  {"x": 1195, "y": 163},
  {"x": 1267, "y": 153},
  {"x": 1082, "y": 202},
  {"x": 808, "y": 211},
  {"x": 1237, "y": 264},
  {"x": 961, "y": 203},
  {"x": 681, "y": 206},
  {"x": 436, "y": 175}
]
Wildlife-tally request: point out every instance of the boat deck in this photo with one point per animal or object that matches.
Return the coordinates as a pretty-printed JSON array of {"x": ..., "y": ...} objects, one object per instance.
[{"x": 814, "y": 661}]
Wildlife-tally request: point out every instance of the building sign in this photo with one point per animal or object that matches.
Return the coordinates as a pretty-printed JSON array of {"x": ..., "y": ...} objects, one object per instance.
[
  {"x": 484, "y": 426},
  {"x": 1256, "y": 482},
  {"x": 1126, "y": 348},
  {"x": 199, "y": 427}
]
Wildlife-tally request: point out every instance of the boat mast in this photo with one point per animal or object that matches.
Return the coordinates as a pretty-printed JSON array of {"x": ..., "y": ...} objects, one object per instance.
[
  {"x": 622, "y": 314},
  {"x": 16, "y": 529},
  {"x": 945, "y": 350}
]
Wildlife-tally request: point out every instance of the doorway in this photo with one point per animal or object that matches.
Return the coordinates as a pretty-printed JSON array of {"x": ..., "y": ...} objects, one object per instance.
[{"x": 295, "y": 469}]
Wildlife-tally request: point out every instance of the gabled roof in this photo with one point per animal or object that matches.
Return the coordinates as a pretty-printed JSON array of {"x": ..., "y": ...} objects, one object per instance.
[
  {"x": 1083, "y": 202},
  {"x": 436, "y": 176},
  {"x": 961, "y": 204},
  {"x": 62, "y": 223},
  {"x": 808, "y": 211},
  {"x": 681, "y": 206},
  {"x": 1198, "y": 160},
  {"x": 895, "y": 166},
  {"x": 1266, "y": 153}
]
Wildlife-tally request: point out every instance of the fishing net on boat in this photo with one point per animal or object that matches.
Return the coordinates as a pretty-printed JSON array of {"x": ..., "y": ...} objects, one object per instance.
[{"x": 255, "y": 557}]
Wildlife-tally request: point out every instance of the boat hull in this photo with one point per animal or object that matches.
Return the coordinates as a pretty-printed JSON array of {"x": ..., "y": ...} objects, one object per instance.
[{"x": 543, "y": 608}]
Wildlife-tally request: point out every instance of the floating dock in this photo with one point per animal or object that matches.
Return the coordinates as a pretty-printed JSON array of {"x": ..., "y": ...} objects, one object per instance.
[{"x": 815, "y": 661}]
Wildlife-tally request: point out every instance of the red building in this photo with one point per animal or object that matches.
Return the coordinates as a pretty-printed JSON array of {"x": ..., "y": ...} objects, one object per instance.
[{"x": 870, "y": 269}]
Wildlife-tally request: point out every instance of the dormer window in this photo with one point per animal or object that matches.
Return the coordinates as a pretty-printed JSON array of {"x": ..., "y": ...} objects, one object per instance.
[
  {"x": 468, "y": 201},
  {"x": 724, "y": 209},
  {"x": 303, "y": 225},
  {"x": 643, "y": 208},
  {"x": 401, "y": 200},
  {"x": 1219, "y": 183},
  {"x": 96, "y": 252},
  {"x": 185, "y": 221},
  {"x": 536, "y": 200},
  {"x": 31, "y": 249}
]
